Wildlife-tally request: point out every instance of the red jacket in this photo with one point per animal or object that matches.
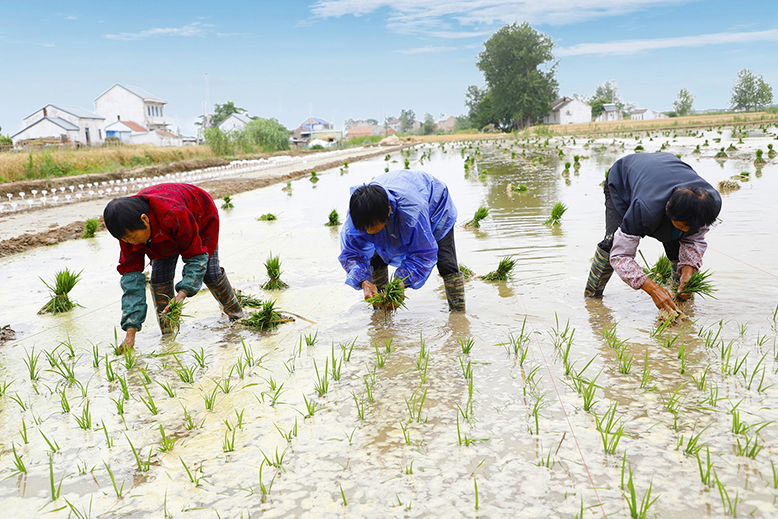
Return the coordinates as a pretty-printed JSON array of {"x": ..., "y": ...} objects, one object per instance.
[{"x": 183, "y": 219}]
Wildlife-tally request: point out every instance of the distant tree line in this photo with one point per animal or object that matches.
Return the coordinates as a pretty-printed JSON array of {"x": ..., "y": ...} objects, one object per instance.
[{"x": 259, "y": 135}]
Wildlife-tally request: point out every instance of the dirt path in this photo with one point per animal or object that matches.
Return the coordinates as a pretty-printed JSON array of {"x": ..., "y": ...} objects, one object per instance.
[{"x": 24, "y": 229}]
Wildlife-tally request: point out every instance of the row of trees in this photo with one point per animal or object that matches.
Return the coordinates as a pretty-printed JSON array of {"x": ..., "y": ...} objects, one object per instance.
[
  {"x": 260, "y": 135},
  {"x": 518, "y": 67}
]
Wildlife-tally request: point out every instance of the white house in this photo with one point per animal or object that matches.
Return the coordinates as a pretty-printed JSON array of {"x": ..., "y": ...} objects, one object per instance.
[
  {"x": 137, "y": 109},
  {"x": 124, "y": 131},
  {"x": 567, "y": 110},
  {"x": 64, "y": 124},
  {"x": 234, "y": 122},
  {"x": 609, "y": 113},
  {"x": 645, "y": 114}
]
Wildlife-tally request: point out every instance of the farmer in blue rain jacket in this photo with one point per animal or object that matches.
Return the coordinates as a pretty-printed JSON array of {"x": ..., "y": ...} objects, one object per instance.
[{"x": 404, "y": 219}]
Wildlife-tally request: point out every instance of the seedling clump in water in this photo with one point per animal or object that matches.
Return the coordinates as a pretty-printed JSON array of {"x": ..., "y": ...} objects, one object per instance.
[
  {"x": 248, "y": 300},
  {"x": 227, "y": 202},
  {"x": 503, "y": 270},
  {"x": 64, "y": 281},
  {"x": 273, "y": 266},
  {"x": 267, "y": 217},
  {"x": 334, "y": 219},
  {"x": 479, "y": 215},
  {"x": 265, "y": 318},
  {"x": 556, "y": 214},
  {"x": 90, "y": 227},
  {"x": 391, "y": 298}
]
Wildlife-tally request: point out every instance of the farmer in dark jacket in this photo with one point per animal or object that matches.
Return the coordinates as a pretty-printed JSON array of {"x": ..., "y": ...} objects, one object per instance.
[
  {"x": 657, "y": 195},
  {"x": 164, "y": 222}
]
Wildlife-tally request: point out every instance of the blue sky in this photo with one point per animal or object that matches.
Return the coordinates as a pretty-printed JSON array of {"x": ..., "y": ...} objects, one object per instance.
[{"x": 359, "y": 59}]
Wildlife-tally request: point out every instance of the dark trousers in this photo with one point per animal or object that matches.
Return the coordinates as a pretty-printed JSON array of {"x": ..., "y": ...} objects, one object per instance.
[
  {"x": 613, "y": 221},
  {"x": 447, "y": 256},
  {"x": 164, "y": 269}
]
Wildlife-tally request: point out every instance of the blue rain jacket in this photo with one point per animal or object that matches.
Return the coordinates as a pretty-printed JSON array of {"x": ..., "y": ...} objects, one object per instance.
[{"x": 422, "y": 213}]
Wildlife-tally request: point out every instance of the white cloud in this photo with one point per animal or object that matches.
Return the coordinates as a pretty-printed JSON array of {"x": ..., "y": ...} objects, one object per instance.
[
  {"x": 636, "y": 46},
  {"x": 425, "y": 50},
  {"x": 417, "y": 16},
  {"x": 193, "y": 29}
]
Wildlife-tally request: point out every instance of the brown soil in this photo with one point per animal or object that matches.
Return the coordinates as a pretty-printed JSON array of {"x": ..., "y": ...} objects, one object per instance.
[
  {"x": 216, "y": 188},
  {"x": 6, "y": 333}
]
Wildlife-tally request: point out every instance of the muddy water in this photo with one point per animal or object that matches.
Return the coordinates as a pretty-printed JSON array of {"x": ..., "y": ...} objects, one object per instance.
[{"x": 425, "y": 440}]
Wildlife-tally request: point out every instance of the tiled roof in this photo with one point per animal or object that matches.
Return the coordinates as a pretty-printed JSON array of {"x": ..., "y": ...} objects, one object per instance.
[
  {"x": 135, "y": 126},
  {"x": 66, "y": 125},
  {"x": 166, "y": 134}
]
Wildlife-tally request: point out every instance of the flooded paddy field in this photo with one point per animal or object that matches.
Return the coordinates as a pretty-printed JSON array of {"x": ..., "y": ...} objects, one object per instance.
[{"x": 533, "y": 403}]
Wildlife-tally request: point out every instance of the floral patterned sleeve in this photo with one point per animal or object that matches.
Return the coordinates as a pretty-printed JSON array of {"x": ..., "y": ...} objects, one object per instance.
[
  {"x": 622, "y": 259},
  {"x": 692, "y": 249}
]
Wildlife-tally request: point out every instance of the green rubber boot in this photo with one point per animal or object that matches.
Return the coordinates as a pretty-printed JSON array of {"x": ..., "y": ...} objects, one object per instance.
[
  {"x": 163, "y": 293},
  {"x": 381, "y": 276},
  {"x": 599, "y": 274},
  {"x": 225, "y": 295},
  {"x": 455, "y": 291}
]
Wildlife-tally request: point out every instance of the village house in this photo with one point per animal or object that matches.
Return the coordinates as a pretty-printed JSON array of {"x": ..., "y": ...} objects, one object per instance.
[
  {"x": 129, "y": 104},
  {"x": 645, "y": 114},
  {"x": 446, "y": 125},
  {"x": 234, "y": 122},
  {"x": 567, "y": 110},
  {"x": 609, "y": 113},
  {"x": 314, "y": 128},
  {"x": 61, "y": 124}
]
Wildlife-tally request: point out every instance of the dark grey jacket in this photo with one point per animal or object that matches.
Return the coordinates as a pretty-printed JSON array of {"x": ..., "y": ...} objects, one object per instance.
[{"x": 640, "y": 186}]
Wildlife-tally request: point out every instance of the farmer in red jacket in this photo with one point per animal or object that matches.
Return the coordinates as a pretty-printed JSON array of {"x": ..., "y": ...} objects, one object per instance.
[{"x": 164, "y": 222}]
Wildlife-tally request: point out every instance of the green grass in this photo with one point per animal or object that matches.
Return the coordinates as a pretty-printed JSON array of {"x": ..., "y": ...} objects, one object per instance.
[{"x": 64, "y": 282}]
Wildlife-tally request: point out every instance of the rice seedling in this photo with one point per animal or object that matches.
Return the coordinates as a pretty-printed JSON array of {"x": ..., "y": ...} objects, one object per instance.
[
  {"x": 360, "y": 405},
  {"x": 199, "y": 357},
  {"x": 227, "y": 202},
  {"x": 334, "y": 219},
  {"x": 64, "y": 282},
  {"x": 273, "y": 267},
  {"x": 23, "y": 432},
  {"x": 31, "y": 361},
  {"x": 748, "y": 449},
  {"x": 391, "y": 298},
  {"x": 210, "y": 399},
  {"x": 108, "y": 439},
  {"x": 475, "y": 485},
  {"x": 322, "y": 382},
  {"x": 265, "y": 318},
  {"x": 481, "y": 213},
  {"x": 466, "y": 344},
  {"x": 90, "y": 227},
  {"x": 18, "y": 462},
  {"x": 173, "y": 314},
  {"x": 267, "y": 217},
  {"x": 705, "y": 468},
  {"x": 416, "y": 404},
  {"x": 167, "y": 442},
  {"x": 277, "y": 461},
  {"x": 167, "y": 387},
  {"x": 80, "y": 514},
  {"x": 247, "y": 300},
  {"x": 118, "y": 489},
  {"x": 119, "y": 402},
  {"x": 503, "y": 270},
  {"x": 85, "y": 420},
  {"x": 661, "y": 271},
  {"x": 638, "y": 509},
  {"x": 53, "y": 445},
  {"x": 535, "y": 413},
  {"x": 228, "y": 445},
  {"x": 265, "y": 489},
  {"x": 693, "y": 445},
  {"x": 310, "y": 407},
  {"x": 673, "y": 403},
  {"x": 701, "y": 381},
  {"x": 130, "y": 359},
  {"x": 588, "y": 392},
  {"x": 55, "y": 491},
  {"x": 4, "y": 387},
  {"x": 698, "y": 284},
  {"x": 194, "y": 478},
  {"x": 556, "y": 214}
]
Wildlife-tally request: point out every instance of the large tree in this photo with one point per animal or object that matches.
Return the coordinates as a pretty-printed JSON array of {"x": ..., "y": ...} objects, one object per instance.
[
  {"x": 684, "y": 104},
  {"x": 268, "y": 134},
  {"x": 407, "y": 118},
  {"x": 428, "y": 126},
  {"x": 518, "y": 67},
  {"x": 221, "y": 112},
  {"x": 750, "y": 92}
]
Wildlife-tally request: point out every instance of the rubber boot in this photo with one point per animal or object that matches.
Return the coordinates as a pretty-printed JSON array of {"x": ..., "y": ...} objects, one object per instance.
[
  {"x": 225, "y": 295},
  {"x": 381, "y": 277},
  {"x": 163, "y": 293},
  {"x": 599, "y": 274},
  {"x": 455, "y": 291}
]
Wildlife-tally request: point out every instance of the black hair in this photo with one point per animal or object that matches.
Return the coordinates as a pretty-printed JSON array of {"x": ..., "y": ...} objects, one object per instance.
[
  {"x": 693, "y": 205},
  {"x": 369, "y": 205},
  {"x": 123, "y": 214}
]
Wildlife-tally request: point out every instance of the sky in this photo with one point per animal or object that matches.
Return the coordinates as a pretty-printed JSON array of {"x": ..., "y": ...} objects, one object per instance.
[{"x": 360, "y": 59}]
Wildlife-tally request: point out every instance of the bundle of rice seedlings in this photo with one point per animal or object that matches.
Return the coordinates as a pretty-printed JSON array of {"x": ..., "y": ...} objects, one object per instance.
[
  {"x": 174, "y": 314},
  {"x": 266, "y": 318},
  {"x": 227, "y": 202},
  {"x": 314, "y": 178},
  {"x": 90, "y": 227},
  {"x": 248, "y": 300},
  {"x": 267, "y": 217},
  {"x": 503, "y": 270},
  {"x": 273, "y": 267},
  {"x": 466, "y": 272},
  {"x": 334, "y": 219},
  {"x": 391, "y": 298},
  {"x": 64, "y": 281},
  {"x": 698, "y": 284},
  {"x": 556, "y": 214},
  {"x": 479, "y": 215},
  {"x": 661, "y": 272}
]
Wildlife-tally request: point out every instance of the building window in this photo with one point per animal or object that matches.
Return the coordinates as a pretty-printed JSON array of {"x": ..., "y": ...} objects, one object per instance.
[{"x": 99, "y": 134}]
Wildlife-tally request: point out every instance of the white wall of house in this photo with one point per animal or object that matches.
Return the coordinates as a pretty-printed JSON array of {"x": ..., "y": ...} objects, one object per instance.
[
  {"x": 91, "y": 129},
  {"x": 156, "y": 138},
  {"x": 46, "y": 129},
  {"x": 119, "y": 103},
  {"x": 571, "y": 112},
  {"x": 232, "y": 123},
  {"x": 646, "y": 115}
]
